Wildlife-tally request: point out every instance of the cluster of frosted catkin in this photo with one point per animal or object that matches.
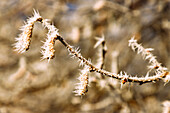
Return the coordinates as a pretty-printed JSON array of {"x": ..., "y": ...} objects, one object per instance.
[
  {"x": 24, "y": 39},
  {"x": 23, "y": 42}
]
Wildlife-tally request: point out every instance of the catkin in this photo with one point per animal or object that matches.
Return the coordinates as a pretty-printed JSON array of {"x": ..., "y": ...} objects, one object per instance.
[
  {"x": 82, "y": 87},
  {"x": 24, "y": 39}
]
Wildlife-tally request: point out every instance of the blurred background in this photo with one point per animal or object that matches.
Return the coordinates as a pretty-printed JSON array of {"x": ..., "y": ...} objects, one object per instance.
[{"x": 31, "y": 85}]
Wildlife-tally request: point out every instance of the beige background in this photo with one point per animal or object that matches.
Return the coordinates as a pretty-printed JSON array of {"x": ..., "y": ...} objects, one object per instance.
[{"x": 28, "y": 85}]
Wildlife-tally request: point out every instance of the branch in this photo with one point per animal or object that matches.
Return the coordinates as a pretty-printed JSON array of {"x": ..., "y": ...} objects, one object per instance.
[{"x": 23, "y": 42}]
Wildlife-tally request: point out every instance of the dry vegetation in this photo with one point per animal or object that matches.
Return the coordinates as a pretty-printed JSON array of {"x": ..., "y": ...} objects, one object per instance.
[{"x": 28, "y": 85}]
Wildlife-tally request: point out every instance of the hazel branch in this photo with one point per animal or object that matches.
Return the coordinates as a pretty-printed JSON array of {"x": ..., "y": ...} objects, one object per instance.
[
  {"x": 121, "y": 76},
  {"x": 23, "y": 43}
]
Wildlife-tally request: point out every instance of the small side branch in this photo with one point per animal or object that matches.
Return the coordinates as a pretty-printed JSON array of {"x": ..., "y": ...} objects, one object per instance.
[{"x": 129, "y": 78}]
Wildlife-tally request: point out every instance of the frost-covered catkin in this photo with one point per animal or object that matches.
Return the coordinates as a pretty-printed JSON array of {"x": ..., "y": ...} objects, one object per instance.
[
  {"x": 82, "y": 87},
  {"x": 48, "y": 47},
  {"x": 24, "y": 39}
]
